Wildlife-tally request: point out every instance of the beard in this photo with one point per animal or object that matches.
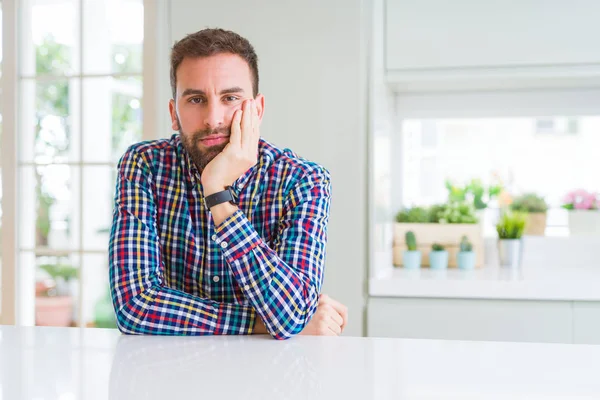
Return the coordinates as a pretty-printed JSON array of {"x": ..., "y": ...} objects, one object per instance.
[{"x": 192, "y": 144}]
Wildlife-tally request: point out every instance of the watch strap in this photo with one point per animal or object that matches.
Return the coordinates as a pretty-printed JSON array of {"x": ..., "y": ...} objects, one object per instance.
[{"x": 223, "y": 196}]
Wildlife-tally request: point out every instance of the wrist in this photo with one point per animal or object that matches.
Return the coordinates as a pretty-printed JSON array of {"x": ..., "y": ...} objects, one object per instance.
[
  {"x": 212, "y": 188},
  {"x": 221, "y": 212}
]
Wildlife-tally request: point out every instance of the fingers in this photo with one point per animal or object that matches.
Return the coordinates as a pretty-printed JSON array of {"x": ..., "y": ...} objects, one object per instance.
[
  {"x": 236, "y": 130},
  {"x": 335, "y": 327},
  {"x": 255, "y": 124},
  {"x": 341, "y": 309},
  {"x": 247, "y": 129},
  {"x": 337, "y": 318},
  {"x": 328, "y": 332}
]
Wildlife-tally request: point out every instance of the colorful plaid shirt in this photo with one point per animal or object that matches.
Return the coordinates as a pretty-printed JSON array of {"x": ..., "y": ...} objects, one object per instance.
[{"x": 172, "y": 272}]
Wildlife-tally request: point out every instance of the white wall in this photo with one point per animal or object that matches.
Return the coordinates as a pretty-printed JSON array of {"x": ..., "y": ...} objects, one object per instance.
[
  {"x": 439, "y": 34},
  {"x": 382, "y": 141},
  {"x": 312, "y": 63}
]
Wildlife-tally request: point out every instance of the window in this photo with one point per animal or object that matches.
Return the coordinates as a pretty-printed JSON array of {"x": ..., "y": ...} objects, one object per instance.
[
  {"x": 548, "y": 156},
  {"x": 80, "y": 86}
]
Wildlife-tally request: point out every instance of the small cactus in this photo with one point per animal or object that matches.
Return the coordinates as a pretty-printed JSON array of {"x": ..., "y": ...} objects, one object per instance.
[
  {"x": 437, "y": 247},
  {"x": 411, "y": 241},
  {"x": 465, "y": 245}
]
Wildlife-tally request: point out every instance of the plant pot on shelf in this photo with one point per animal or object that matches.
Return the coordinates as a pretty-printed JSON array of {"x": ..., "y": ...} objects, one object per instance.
[
  {"x": 584, "y": 222},
  {"x": 53, "y": 311},
  {"x": 438, "y": 259},
  {"x": 411, "y": 259},
  {"x": 509, "y": 251},
  {"x": 448, "y": 235},
  {"x": 536, "y": 224},
  {"x": 465, "y": 260}
]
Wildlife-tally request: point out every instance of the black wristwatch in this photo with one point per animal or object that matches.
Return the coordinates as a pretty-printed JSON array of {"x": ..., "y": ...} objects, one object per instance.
[{"x": 224, "y": 196}]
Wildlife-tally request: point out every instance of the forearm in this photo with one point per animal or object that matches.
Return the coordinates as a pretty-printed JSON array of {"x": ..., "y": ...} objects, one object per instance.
[
  {"x": 281, "y": 294},
  {"x": 163, "y": 311},
  {"x": 220, "y": 213},
  {"x": 281, "y": 283}
]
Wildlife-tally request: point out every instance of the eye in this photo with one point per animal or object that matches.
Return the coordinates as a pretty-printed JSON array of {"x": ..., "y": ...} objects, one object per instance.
[
  {"x": 196, "y": 100},
  {"x": 230, "y": 98}
]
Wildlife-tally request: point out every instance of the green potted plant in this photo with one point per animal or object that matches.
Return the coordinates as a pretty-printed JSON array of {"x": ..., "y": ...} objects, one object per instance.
[
  {"x": 483, "y": 195},
  {"x": 411, "y": 257},
  {"x": 510, "y": 229},
  {"x": 413, "y": 215},
  {"x": 456, "y": 212},
  {"x": 441, "y": 223},
  {"x": 465, "y": 259},
  {"x": 475, "y": 192},
  {"x": 536, "y": 208},
  {"x": 54, "y": 302},
  {"x": 438, "y": 257}
]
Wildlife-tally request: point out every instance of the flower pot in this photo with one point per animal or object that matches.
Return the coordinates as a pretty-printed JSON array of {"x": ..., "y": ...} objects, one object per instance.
[
  {"x": 536, "y": 224},
  {"x": 584, "y": 222},
  {"x": 465, "y": 260},
  {"x": 53, "y": 311},
  {"x": 438, "y": 259},
  {"x": 509, "y": 251},
  {"x": 448, "y": 235},
  {"x": 411, "y": 259}
]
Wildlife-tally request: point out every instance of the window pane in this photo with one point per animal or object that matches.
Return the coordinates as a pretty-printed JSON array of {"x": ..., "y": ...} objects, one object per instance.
[
  {"x": 49, "y": 202},
  {"x": 113, "y": 36},
  {"x": 112, "y": 117},
  {"x": 49, "y": 121},
  {"x": 98, "y": 201},
  {"x": 50, "y": 33},
  {"x": 56, "y": 289},
  {"x": 548, "y": 156},
  {"x": 97, "y": 305}
]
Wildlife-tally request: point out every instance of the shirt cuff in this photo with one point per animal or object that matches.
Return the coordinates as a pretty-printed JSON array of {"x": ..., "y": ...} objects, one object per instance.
[{"x": 236, "y": 236}]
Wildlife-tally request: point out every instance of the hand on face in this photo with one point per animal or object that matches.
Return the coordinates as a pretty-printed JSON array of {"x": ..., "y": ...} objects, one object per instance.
[{"x": 239, "y": 155}]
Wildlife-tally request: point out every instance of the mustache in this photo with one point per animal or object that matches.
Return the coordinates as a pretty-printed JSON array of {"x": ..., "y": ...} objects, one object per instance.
[{"x": 225, "y": 130}]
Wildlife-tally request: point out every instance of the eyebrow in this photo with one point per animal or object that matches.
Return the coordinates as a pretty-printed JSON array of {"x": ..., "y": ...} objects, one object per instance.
[{"x": 189, "y": 92}]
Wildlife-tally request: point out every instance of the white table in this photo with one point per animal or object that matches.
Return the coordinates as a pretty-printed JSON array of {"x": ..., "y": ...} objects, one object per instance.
[{"x": 72, "y": 363}]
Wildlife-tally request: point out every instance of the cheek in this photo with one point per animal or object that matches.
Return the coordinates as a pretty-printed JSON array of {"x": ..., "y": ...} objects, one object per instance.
[
  {"x": 190, "y": 116},
  {"x": 230, "y": 112}
]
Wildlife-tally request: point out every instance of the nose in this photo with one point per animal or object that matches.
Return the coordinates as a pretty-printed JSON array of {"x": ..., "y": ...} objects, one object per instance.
[{"x": 215, "y": 115}]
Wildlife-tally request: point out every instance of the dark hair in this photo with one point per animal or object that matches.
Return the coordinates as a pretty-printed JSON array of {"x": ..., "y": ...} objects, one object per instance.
[{"x": 209, "y": 42}]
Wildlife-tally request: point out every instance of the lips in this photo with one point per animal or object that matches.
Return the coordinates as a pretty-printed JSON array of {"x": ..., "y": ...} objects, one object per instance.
[{"x": 214, "y": 140}]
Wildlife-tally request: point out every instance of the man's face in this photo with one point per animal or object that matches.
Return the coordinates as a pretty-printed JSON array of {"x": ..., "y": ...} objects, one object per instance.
[{"x": 209, "y": 91}]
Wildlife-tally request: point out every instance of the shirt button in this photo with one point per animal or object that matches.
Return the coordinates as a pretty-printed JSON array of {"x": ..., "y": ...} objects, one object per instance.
[
  {"x": 214, "y": 237},
  {"x": 247, "y": 287},
  {"x": 216, "y": 278},
  {"x": 223, "y": 244}
]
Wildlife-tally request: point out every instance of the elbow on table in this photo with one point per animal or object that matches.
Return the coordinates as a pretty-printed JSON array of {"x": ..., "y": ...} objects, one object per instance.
[
  {"x": 290, "y": 326},
  {"x": 125, "y": 326}
]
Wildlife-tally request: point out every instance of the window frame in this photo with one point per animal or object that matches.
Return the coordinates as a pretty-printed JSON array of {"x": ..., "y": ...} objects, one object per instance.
[{"x": 18, "y": 284}]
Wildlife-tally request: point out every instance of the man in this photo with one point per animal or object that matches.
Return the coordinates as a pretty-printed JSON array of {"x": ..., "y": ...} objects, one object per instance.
[{"x": 215, "y": 230}]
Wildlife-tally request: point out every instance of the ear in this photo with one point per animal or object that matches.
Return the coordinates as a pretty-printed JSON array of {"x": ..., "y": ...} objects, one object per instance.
[
  {"x": 174, "y": 123},
  {"x": 260, "y": 105}
]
